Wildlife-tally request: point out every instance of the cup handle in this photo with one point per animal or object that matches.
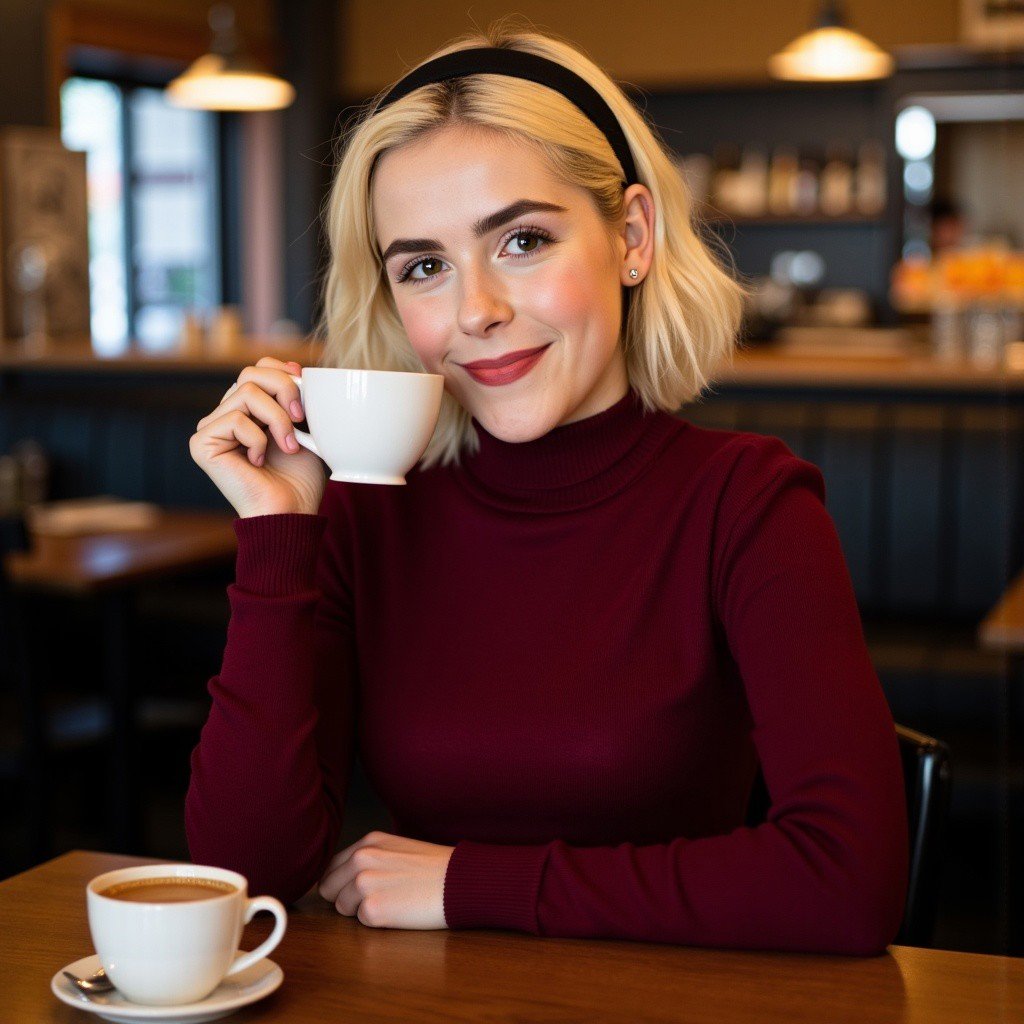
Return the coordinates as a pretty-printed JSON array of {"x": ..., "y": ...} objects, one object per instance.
[
  {"x": 301, "y": 436},
  {"x": 253, "y": 907}
]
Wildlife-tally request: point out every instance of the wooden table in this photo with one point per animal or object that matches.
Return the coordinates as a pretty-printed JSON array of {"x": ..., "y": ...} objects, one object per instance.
[
  {"x": 106, "y": 568},
  {"x": 337, "y": 969},
  {"x": 92, "y": 564},
  {"x": 1003, "y": 631},
  {"x": 1003, "y": 627}
]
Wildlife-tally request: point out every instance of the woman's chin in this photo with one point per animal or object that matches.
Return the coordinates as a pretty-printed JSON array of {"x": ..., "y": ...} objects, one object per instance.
[{"x": 513, "y": 429}]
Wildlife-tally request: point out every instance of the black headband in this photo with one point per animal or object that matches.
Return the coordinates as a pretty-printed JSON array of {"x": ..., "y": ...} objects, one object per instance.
[{"x": 493, "y": 60}]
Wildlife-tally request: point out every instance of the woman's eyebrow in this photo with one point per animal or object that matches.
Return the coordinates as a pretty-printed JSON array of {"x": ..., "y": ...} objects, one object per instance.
[{"x": 482, "y": 227}]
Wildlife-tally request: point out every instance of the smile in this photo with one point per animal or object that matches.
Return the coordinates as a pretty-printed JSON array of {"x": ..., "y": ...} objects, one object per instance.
[{"x": 507, "y": 369}]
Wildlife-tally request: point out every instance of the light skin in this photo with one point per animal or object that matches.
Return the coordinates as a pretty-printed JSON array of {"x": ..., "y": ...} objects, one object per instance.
[
  {"x": 480, "y": 297},
  {"x": 474, "y": 298}
]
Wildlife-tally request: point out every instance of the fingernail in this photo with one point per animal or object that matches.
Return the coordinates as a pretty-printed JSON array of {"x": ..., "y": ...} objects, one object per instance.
[
  {"x": 291, "y": 443},
  {"x": 296, "y": 408}
]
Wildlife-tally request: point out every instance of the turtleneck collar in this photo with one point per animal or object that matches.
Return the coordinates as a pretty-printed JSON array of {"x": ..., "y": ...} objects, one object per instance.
[{"x": 572, "y": 465}]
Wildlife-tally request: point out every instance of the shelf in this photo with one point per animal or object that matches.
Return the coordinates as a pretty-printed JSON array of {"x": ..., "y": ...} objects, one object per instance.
[
  {"x": 816, "y": 220},
  {"x": 77, "y": 354}
]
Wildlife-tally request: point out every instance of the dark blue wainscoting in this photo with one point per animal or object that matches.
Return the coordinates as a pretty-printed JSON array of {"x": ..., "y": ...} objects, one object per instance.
[{"x": 926, "y": 488}]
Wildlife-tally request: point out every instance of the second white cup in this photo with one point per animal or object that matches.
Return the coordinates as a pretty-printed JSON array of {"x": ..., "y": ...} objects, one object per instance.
[{"x": 166, "y": 953}]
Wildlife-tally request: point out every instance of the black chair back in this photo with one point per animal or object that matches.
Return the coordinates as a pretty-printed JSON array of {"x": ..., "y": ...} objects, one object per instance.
[{"x": 926, "y": 779}]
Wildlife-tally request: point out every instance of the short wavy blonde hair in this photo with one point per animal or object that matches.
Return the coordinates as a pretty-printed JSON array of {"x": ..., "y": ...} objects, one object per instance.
[{"x": 682, "y": 320}]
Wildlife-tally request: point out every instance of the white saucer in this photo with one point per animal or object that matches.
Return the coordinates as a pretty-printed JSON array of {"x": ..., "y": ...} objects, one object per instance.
[{"x": 243, "y": 988}]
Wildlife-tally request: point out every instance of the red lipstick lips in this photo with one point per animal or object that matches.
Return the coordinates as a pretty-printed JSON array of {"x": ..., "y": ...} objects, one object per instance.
[
  {"x": 511, "y": 357},
  {"x": 506, "y": 368}
]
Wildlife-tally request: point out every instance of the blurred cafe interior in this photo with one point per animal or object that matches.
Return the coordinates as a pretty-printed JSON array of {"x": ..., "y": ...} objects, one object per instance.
[{"x": 160, "y": 230}]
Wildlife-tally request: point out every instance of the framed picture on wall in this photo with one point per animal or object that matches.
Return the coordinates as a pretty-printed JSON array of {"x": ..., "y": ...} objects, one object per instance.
[
  {"x": 992, "y": 24},
  {"x": 44, "y": 235}
]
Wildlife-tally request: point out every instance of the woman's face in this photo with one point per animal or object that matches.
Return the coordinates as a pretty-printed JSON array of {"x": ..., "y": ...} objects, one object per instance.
[{"x": 487, "y": 254}]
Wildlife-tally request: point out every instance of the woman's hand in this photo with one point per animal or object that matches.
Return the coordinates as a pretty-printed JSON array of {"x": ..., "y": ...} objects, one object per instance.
[
  {"x": 389, "y": 882},
  {"x": 232, "y": 446}
]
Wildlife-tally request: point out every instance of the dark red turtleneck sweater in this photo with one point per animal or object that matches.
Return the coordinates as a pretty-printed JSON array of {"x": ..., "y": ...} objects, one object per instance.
[{"x": 565, "y": 659}]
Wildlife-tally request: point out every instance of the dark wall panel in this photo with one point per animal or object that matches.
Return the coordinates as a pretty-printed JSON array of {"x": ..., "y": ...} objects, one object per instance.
[
  {"x": 926, "y": 494},
  {"x": 915, "y": 507}
]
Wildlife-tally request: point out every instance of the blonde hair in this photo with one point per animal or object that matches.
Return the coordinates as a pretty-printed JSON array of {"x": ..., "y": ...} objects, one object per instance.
[{"x": 682, "y": 319}]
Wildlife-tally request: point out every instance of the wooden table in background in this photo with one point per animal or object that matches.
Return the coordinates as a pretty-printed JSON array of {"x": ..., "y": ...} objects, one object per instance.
[
  {"x": 98, "y": 563},
  {"x": 106, "y": 568},
  {"x": 336, "y": 969},
  {"x": 1003, "y": 631},
  {"x": 1003, "y": 628}
]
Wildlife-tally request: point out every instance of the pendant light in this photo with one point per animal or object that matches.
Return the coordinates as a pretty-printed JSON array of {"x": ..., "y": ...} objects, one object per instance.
[
  {"x": 831, "y": 52},
  {"x": 227, "y": 78}
]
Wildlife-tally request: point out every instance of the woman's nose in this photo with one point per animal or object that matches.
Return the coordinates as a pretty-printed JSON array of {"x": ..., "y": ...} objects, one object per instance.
[{"x": 482, "y": 302}]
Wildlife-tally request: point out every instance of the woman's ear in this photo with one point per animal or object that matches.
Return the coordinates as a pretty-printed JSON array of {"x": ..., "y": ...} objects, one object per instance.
[{"x": 638, "y": 234}]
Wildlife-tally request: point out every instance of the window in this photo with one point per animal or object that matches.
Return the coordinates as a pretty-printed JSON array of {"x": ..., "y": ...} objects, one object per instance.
[{"x": 154, "y": 227}]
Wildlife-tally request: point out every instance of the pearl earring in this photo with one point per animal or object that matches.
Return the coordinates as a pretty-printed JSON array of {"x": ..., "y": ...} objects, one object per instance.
[{"x": 634, "y": 272}]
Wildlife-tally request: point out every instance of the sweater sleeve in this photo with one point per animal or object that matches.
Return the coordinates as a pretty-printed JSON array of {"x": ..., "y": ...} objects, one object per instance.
[
  {"x": 271, "y": 769},
  {"x": 827, "y": 870}
]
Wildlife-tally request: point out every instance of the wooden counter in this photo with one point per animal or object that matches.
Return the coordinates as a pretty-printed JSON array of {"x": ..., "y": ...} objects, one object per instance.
[
  {"x": 63, "y": 357},
  {"x": 767, "y": 366},
  {"x": 816, "y": 365}
]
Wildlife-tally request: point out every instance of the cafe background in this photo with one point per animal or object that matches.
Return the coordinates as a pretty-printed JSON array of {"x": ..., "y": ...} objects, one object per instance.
[{"x": 149, "y": 251}]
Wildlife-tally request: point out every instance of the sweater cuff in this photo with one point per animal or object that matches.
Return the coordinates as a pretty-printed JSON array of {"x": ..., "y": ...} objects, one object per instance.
[
  {"x": 490, "y": 886},
  {"x": 277, "y": 554}
]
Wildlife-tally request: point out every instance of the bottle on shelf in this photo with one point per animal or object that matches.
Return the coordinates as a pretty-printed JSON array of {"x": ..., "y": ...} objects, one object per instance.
[
  {"x": 836, "y": 191},
  {"x": 781, "y": 181},
  {"x": 725, "y": 177},
  {"x": 805, "y": 186},
  {"x": 869, "y": 195},
  {"x": 751, "y": 185}
]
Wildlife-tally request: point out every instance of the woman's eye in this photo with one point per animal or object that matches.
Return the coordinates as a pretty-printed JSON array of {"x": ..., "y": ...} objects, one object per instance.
[
  {"x": 530, "y": 237},
  {"x": 431, "y": 261}
]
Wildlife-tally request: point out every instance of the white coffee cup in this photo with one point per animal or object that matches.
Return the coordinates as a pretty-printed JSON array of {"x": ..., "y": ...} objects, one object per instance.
[
  {"x": 169, "y": 953},
  {"x": 369, "y": 426}
]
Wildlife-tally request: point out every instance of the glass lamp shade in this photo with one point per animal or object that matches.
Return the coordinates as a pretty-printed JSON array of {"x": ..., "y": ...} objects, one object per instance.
[
  {"x": 215, "y": 82},
  {"x": 831, "y": 55}
]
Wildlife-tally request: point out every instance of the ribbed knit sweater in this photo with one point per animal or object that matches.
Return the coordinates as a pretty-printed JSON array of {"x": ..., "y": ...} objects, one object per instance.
[{"x": 566, "y": 658}]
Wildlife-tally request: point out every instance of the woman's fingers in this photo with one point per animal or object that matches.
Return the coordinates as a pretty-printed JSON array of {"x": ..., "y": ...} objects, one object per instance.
[
  {"x": 275, "y": 382},
  {"x": 227, "y": 432},
  {"x": 251, "y": 399},
  {"x": 275, "y": 378}
]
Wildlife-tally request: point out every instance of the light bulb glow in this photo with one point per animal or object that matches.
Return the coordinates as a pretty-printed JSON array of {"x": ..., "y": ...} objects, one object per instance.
[
  {"x": 831, "y": 54},
  {"x": 915, "y": 133},
  {"x": 918, "y": 176},
  {"x": 211, "y": 84}
]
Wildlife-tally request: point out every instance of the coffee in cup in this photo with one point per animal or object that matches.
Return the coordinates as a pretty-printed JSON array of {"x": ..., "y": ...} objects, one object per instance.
[
  {"x": 369, "y": 426},
  {"x": 168, "y": 934},
  {"x": 172, "y": 889}
]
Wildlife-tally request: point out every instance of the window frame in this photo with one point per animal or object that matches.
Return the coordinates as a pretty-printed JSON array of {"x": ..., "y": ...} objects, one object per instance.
[{"x": 225, "y": 201}]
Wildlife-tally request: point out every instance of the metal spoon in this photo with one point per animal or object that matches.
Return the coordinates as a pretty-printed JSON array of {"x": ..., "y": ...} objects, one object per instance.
[{"x": 94, "y": 984}]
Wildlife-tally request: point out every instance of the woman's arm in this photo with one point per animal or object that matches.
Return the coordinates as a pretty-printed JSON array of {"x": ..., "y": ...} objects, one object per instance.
[
  {"x": 271, "y": 770},
  {"x": 827, "y": 871}
]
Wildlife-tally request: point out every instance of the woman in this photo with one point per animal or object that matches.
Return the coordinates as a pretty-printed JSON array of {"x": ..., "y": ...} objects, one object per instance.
[{"x": 567, "y": 644}]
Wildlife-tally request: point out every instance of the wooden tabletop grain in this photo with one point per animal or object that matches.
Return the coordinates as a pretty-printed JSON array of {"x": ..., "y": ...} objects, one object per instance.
[
  {"x": 337, "y": 969},
  {"x": 181, "y": 540},
  {"x": 1003, "y": 628}
]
